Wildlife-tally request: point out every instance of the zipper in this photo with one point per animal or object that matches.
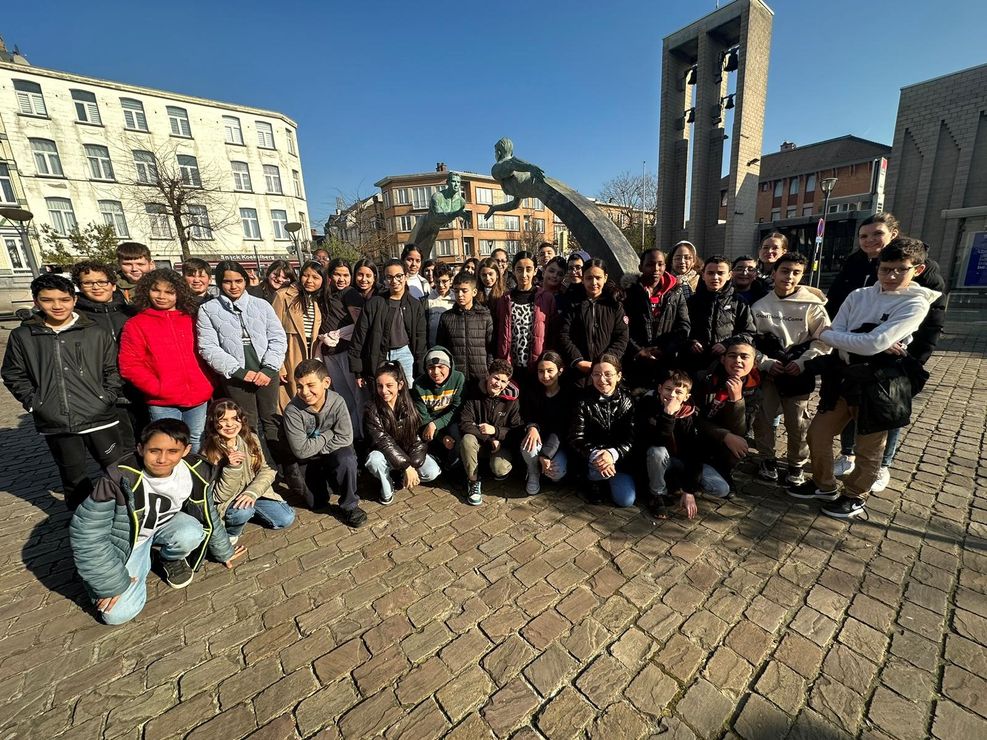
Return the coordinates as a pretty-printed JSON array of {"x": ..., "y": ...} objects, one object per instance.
[{"x": 62, "y": 395}]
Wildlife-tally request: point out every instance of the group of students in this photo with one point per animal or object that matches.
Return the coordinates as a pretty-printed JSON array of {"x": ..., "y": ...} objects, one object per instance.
[{"x": 233, "y": 388}]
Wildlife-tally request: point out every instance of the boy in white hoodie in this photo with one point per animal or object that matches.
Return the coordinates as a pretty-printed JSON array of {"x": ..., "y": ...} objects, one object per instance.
[
  {"x": 871, "y": 329},
  {"x": 789, "y": 321}
]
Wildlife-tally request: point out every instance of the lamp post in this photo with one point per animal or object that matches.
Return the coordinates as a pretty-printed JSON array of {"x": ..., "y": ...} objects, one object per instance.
[
  {"x": 293, "y": 227},
  {"x": 827, "y": 185},
  {"x": 22, "y": 218}
]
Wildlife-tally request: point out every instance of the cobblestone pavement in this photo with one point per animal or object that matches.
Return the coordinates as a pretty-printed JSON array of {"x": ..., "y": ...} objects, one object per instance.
[{"x": 534, "y": 617}]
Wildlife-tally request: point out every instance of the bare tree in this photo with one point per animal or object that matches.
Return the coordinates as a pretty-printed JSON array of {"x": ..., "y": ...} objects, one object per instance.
[
  {"x": 638, "y": 194},
  {"x": 361, "y": 229},
  {"x": 174, "y": 191}
]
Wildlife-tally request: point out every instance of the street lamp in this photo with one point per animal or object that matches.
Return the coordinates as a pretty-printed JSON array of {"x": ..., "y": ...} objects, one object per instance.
[
  {"x": 22, "y": 217},
  {"x": 827, "y": 185},
  {"x": 293, "y": 227}
]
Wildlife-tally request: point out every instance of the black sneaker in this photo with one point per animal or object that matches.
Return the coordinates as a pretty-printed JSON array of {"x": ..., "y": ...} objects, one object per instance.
[
  {"x": 178, "y": 573},
  {"x": 845, "y": 508},
  {"x": 598, "y": 492},
  {"x": 768, "y": 471},
  {"x": 355, "y": 517},
  {"x": 808, "y": 492}
]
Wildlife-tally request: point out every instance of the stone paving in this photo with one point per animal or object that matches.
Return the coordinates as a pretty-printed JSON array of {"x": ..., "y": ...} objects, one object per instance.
[{"x": 534, "y": 617}]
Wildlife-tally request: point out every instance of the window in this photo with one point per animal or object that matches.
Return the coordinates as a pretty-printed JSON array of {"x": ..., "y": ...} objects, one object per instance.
[
  {"x": 233, "y": 132},
  {"x": 16, "y": 253},
  {"x": 807, "y": 210},
  {"x": 160, "y": 222},
  {"x": 301, "y": 220},
  {"x": 188, "y": 166},
  {"x": 401, "y": 196},
  {"x": 445, "y": 247},
  {"x": 291, "y": 141},
  {"x": 30, "y": 101},
  {"x": 241, "y": 177},
  {"x": 533, "y": 203},
  {"x": 272, "y": 178},
  {"x": 791, "y": 212},
  {"x": 775, "y": 214},
  {"x": 420, "y": 197},
  {"x": 406, "y": 223},
  {"x": 511, "y": 223},
  {"x": 486, "y": 247},
  {"x": 198, "y": 219},
  {"x": 178, "y": 118},
  {"x": 46, "y": 157},
  {"x": 146, "y": 167},
  {"x": 61, "y": 214},
  {"x": 793, "y": 186},
  {"x": 484, "y": 196},
  {"x": 484, "y": 223},
  {"x": 265, "y": 135},
  {"x": 810, "y": 183},
  {"x": 723, "y": 199},
  {"x": 86, "y": 110},
  {"x": 251, "y": 226},
  {"x": 112, "y": 213},
  {"x": 765, "y": 187},
  {"x": 100, "y": 167},
  {"x": 538, "y": 225},
  {"x": 834, "y": 209},
  {"x": 779, "y": 187},
  {"x": 280, "y": 218},
  {"x": 512, "y": 246},
  {"x": 296, "y": 178},
  {"x": 6, "y": 185},
  {"x": 133, "y": 114}
]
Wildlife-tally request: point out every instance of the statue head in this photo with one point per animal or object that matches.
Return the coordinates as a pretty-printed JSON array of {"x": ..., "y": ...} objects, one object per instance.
[
  {"x": 504, "y": 148},
  {"x": 454, "y": 182}
]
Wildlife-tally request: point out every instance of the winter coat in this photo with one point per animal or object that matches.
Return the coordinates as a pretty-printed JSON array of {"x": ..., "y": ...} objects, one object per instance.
[
  {"x": 594, "y": 328},
  {"x": 438, "y": 404},
  {"x": 218, "y": 328},
  {"x": 105, "y": 527},
  {"x": 469, "y": 337},
  {"x": 604, "y": 423},
  {"x": 67, "y": 380},
  {"x": 860, "y": 271},
  {"x": 679, "y": 434},
  {"x": 311, "y": 434},
  {"x": 718, "y": 415},
  {"x": 543, "y": 317},
  {"x": 382, "y": 440},
  {"x": 715, "y": 317},
  {"x": 288, "y": 309},
  {"x": 234, "y": 480},
  {"x": 372, "y": 336},
  {"x": 157, "y": 355},
  {"x": 550, "y": 416},
  {"x": 669, "y": 330},
  {"x": 435, "y": 306},
  {"x": 111, "y": 316},
  {"x": 501, "y": 412}
]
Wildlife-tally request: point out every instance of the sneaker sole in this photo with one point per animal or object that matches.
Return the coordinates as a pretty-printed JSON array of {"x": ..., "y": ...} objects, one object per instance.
[
  {"x": 472, "y": 502},
  {"x": 386, "y": 501},
  {"x": 766, "y": 479},
  {"x": 840, "y": 515},
  {"x": 179, "y": 585},
  {"x": 815, "y": 496}
]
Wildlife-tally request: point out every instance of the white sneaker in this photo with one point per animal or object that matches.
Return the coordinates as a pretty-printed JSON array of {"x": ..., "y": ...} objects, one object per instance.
[
  {"x": 843, "y": 465},
  {"x": 234, "y": 538},
  {"x": 883, "y": 478},
  {"x": 532, "y": 486}
]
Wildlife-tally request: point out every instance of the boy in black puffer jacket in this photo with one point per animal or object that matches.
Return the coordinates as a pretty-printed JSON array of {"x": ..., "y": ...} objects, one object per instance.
[{"x": 715, "y": 315}]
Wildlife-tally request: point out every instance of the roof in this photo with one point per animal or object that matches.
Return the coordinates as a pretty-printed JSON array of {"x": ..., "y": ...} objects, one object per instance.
[
  {"x": 940, "y": 78},
  {"x": 822, "y": 155},
  {"x": 433, "y": 175}
]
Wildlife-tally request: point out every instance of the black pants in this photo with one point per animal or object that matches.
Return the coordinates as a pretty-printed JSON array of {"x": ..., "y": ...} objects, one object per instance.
[
  {"x": 260, "y": 404},
  {"x": 69, "y": 450},
  {"x": 334, "y": 472}
]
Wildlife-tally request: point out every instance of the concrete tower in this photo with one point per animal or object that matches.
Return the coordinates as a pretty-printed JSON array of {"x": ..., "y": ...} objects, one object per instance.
[{"x": 696, "y": 64}]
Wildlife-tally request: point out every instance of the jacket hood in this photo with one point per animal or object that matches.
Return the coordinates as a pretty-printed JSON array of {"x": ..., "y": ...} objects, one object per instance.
[
  {"x": 511, "y": 393},
  {"x": 687, "y": 410},
  {"x": 931, "y": 296},
  {"x": 116, "y": 303},
  {"x": 803, "y": 294},
  {"x": 725, "y": 294},
  {"x": 37, "y": 323},
  {"x": 450, "y": 361}
]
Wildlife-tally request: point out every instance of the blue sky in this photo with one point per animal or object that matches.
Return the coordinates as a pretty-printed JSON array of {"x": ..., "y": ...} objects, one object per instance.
[{"x": 392, "y": 87}]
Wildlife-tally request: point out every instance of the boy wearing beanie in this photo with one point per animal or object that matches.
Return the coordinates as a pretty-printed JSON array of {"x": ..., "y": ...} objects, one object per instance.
[{"x": 438, "y": 394}]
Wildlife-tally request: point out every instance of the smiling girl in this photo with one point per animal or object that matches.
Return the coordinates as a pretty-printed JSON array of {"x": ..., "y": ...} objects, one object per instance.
[{"x": 596, "y": 325}]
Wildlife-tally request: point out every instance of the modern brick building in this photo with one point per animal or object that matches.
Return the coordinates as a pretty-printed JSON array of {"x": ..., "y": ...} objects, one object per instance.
[{"x": 937, "y": 181}]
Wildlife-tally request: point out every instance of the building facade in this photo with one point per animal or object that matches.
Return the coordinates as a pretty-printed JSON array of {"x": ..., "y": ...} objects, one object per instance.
[{"x": 76, "y": 150}]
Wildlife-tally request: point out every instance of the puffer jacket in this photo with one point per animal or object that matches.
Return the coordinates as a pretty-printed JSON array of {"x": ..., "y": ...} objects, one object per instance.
[
  {"x": 68, "y": 380},
  {"x": 371, "y": 338},
  {"x": 594, "y": 328},
  {"x": 111, "y": 316},
  {"x": 603, "y": 423},
  {"x": 469, "y": 338},
  {"x": 715, "y": 317},
  {"x": 859, "y": 271},
  {"x": 158, "y": 356},
  {"x": 502, "y": 413},
  {"x": 382, "y": 440},
  {"x": 543, "y": 317},
  {"x": 105, "y": 527},
  {"x": 679, "y": 434},
  {"x": 234, "y": 480},
  {"x": 669, "y": 330},
  {"x": 218, "y": 328}
]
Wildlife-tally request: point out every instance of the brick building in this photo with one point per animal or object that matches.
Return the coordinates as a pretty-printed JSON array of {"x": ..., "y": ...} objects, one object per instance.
[{"x": 937, "y": 182}]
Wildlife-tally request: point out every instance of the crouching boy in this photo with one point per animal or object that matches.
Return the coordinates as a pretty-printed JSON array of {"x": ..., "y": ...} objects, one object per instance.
[
  {"x": 438, "y": 395},
  {"x": 486, "y": 420},
  {"x": 871, "y": 378},
  {"x": 320, "y": 436},
  {"x": 162, "y": 499}
]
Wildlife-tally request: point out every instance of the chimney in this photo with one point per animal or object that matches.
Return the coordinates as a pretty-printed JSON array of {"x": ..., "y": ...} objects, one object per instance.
[
  {"x": 441, "y": 167},
  {"x": 787, "y": 146}
]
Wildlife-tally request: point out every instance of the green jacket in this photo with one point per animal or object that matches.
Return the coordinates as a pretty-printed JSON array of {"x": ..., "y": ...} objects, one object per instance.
[
  {"x": 439, "y": 403},
  {"x": 105, "y": 527}
]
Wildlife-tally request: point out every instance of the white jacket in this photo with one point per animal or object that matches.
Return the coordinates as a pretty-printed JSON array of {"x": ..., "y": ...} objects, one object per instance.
[{"x": 796, "y": 319}]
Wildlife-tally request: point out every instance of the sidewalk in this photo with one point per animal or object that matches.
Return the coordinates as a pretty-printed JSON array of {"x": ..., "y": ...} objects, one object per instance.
[{"x": 535, "y": 617}]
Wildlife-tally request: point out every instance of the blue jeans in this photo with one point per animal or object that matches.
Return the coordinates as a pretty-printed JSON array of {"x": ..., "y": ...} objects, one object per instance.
[
  {"x": 621, "y": 487},
  {"x": 559, "y": 463},
  {"x": 176, "y": 540},
  {"x": 660, "y": 462},
  {"x": 193, "y": 416},
  {"x": 378, "y": 467},
  {"x": 403, "y": 356},
  {"x": 274, "y": 514},
  {"x": 848, "y": 439}
]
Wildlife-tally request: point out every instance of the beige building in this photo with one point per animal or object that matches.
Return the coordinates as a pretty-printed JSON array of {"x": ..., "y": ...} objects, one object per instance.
[{"x": 75, "y": 150}]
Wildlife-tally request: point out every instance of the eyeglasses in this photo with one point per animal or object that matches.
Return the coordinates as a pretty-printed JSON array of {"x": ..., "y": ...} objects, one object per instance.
[
  {"x": 894, "y": 271},
  {"x": 604, "y": 376},
  {"x": 744, "y": 270},
  {"x": 394, "y": 278},
  {"x": 95, "y": 283}
]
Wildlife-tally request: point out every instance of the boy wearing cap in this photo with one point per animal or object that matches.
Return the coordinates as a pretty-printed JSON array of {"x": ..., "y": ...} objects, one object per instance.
[{"x": 438, "y": 394}]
